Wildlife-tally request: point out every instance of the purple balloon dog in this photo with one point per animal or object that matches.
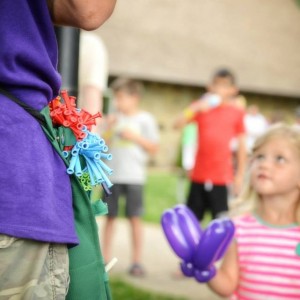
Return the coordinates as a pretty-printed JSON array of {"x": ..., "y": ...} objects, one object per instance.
[{"x": 199, "y": 249}]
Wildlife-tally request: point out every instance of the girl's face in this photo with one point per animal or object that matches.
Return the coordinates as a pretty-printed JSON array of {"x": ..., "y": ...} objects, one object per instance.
[{"x": 275, "y": 168}]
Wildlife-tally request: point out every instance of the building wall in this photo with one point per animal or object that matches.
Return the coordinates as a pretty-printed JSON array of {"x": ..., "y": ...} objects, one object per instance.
[
  {"x": 166, "y": 101},
  {"x": 182, "y": 42}
]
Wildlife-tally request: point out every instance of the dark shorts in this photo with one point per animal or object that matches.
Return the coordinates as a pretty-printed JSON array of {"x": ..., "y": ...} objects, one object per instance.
[
  {"x": 133, "y": 194},
  {"x": 203, "y": 198}
]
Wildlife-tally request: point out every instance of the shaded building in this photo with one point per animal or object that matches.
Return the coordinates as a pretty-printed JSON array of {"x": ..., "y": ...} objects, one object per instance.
[{"x": 176, "y": 45}]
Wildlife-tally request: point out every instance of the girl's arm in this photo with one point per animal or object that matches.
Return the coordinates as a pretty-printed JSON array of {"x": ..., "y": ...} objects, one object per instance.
[
  {"x": 87, "y": 14},
  {"x": 226, "y": 280}
]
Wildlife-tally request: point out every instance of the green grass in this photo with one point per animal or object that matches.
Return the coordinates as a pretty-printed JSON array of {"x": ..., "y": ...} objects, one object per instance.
[
  {"x": 161, "y": 192},
  {"x": 121, "y": 290}
]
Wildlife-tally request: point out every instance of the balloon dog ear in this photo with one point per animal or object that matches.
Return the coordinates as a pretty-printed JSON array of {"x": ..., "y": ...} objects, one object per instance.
[
  {"x": 213, "y": 244},
  {"x": 182, "y": 231}
]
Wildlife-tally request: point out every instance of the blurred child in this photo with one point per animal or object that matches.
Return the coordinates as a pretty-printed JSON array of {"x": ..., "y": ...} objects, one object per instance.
[
  {"x": 218, "y": 121},
  {"x": 263, "y": 261},
  {"x": 133, "y": 136},
  {"x": 255, "y": 125}
]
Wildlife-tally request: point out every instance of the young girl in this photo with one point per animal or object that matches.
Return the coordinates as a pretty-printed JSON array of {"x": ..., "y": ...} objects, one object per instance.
[{"x": 263, "y": 261}]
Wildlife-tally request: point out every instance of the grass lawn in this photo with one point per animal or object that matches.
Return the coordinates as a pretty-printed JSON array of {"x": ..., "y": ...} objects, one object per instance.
[
  {"x": 161, "y": 192},
  {"x": 121, "y": 290}
]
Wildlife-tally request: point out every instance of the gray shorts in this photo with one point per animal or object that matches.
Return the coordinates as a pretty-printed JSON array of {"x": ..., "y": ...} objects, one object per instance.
[
  {"x": 32, "y": 270},
  {"x": 133, "y": 194}
]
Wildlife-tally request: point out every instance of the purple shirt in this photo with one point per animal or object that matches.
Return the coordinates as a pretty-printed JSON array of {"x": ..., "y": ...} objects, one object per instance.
[{"x": 35, "y": 197}]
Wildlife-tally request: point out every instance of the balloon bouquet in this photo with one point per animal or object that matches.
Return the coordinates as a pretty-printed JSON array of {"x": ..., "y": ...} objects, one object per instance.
[{"x": 199, "y": 249}]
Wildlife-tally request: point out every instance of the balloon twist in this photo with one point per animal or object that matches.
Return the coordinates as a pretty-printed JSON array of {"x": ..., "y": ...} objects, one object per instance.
[
  {"x": 199, "y": 249},
  {"x": 87, "y": 152}
]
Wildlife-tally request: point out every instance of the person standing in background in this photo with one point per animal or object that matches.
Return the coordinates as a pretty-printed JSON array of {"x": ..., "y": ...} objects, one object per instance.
[
  {"x": 255, "y": 124},
  {"x": 189, "y": 147},
  {"x": 218, "y": 122},
  {"x": 133, "y": 136}
]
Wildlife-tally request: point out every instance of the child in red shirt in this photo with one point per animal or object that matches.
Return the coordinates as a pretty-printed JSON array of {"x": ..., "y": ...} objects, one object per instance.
[{"x": 218, "y": 121}]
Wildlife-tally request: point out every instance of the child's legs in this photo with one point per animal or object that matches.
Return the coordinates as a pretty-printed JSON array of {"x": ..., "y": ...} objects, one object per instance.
[
  {"x": 218, "y": 200},
  {"x": 113, "y": 209},
  {"x": 134, "y": 211},
  {"x": 137, "y": 239},
  {"x": 33, "y": 270},
  {"x": 197, "y": 200}
]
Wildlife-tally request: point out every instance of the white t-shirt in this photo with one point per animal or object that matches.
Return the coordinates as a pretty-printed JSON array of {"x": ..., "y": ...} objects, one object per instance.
[{"x": 130, "y": 159}]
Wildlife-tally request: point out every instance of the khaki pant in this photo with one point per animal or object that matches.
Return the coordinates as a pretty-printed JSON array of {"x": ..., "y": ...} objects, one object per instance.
[{"x": 31, "y": 270}]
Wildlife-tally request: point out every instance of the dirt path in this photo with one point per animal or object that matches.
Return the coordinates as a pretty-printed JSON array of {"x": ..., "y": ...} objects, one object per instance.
[{"x": 159, "y": 261}]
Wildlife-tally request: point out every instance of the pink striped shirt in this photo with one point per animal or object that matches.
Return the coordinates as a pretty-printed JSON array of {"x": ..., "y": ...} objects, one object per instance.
[{"x": 269, "y": 265}]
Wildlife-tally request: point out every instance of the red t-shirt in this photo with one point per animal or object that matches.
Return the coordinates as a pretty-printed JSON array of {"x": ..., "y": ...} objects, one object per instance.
[{"x": 216, "y": 128}]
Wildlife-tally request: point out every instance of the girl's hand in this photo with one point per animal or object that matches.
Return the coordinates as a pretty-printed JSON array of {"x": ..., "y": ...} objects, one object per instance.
[
  {"x": 226, "y": 280},
  {"x": 199, "y": 249}
]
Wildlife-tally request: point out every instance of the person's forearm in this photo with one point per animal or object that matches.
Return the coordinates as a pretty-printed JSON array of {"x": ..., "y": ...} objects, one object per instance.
[
  {"x": 185, "y": 117},
  {"x": 88, "y": 14},
  {"x": 180, "y": 121},
  {"x": 91, "y": 99},
  {"x": 188, "y": 114},
  {"x": 147, "y": 145}
]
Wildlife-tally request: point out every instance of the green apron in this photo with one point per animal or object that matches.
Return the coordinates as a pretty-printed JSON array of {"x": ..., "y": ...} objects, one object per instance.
[{"x": 88, "y": 279}]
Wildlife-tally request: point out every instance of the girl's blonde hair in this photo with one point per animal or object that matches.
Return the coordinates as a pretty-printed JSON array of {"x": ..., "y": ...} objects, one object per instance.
[{"x": 248, "y": 201}]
